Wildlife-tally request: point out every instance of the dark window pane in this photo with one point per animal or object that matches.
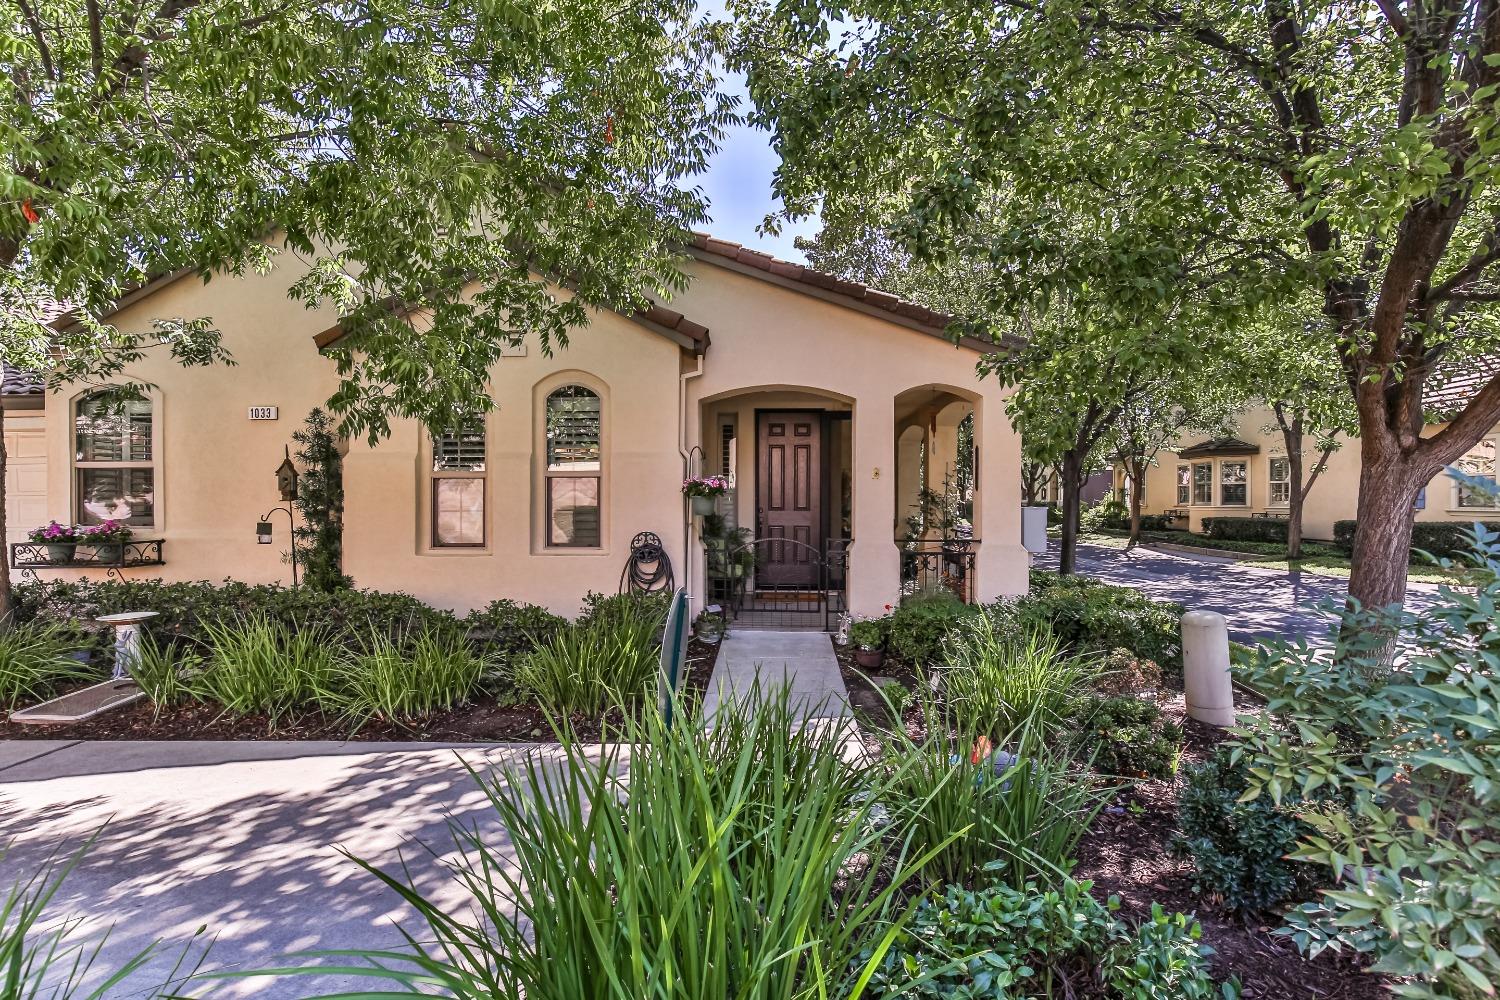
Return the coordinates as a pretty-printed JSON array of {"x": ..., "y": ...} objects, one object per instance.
[
  {"x": 573, "y": 430},
  {"x": 458, "y": 511},
  {"x": 113, "y": 431},
  {"x": 459, "y": 451},
  {"x": 126, "y": 495},
  {"x": 573, "y": 511}
]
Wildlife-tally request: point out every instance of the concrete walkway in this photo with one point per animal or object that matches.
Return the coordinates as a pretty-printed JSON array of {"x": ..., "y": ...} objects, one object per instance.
[
  {"x": 804, "y": 660},
  {"x": 243, "y": 838},
  {"x": 1258, "y": 602}
]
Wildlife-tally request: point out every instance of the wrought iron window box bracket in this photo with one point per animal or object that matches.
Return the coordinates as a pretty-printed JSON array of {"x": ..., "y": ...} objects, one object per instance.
[{"x": 84, "y": 555}]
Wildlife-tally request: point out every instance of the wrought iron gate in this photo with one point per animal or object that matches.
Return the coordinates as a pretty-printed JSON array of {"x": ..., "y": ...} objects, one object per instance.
[{"x": 750, "y": 600}]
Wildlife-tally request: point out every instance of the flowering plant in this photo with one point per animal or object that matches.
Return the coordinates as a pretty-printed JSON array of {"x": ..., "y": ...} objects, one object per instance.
[
  {"x": 53, "y": 533},
  {"x": 710, "y": 486},
  {"x": 109, "y": 532}
]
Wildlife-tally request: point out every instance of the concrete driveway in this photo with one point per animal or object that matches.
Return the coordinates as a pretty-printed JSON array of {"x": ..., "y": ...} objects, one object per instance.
[
  {"x": 242, "y": 838},
  {"x": 1258, "y": 603}
]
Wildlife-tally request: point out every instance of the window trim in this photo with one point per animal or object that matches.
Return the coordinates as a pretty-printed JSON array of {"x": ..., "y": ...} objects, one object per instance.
[
  {"x": 1184, "y": 492},
  {"x": 1455, "y": 491},
  {"x": 429, "y": 496},
  {"x": 156, "y": 463},
  {"x": 1220, "y": 483},
  {"x": 1272, "y": 481},
  {"x": 541, "y": 499},
  {"x": 1195, "y": 466}
]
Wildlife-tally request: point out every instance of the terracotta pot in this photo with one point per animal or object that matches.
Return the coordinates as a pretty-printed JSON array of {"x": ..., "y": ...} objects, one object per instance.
[{"x": 869, "y": 659}]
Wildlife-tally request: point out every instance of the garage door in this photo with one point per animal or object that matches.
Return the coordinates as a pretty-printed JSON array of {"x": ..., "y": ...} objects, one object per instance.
[{"x": 25, "y": 474}]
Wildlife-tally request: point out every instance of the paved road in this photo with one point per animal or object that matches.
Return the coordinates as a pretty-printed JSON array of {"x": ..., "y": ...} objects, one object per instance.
[
  {"x": 242, "y": 838},
  {"x": 1257, "y": 602}
]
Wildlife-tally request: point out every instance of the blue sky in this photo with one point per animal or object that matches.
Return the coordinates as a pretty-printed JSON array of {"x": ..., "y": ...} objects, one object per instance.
[{"x": 738, "y": 182}]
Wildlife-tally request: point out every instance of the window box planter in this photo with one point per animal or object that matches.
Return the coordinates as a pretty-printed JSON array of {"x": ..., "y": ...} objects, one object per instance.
[{"x": 62, "y": 555}]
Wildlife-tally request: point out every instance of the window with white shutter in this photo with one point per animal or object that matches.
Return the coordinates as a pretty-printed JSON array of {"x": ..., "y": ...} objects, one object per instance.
[
  {"x": 458, "y": 488},
  {"x": 574, "y": 468}
]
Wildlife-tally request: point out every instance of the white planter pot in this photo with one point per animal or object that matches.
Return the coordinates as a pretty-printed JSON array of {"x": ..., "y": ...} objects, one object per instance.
[{"x": 703, "y": 506}]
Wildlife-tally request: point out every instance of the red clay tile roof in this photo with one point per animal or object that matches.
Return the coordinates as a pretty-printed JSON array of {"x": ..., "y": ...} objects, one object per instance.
[
  {"x": 14, "y": 382},
  {"x": 1451, "y": 387},
  {"x": 724, "y": 253}
]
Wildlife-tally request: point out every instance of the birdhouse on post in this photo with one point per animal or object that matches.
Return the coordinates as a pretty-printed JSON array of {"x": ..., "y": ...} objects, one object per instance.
[{"x": 286, "y": 477}]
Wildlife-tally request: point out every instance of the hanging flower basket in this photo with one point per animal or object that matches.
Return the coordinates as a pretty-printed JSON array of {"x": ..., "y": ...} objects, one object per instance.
[{"x": 704, "y": 492}]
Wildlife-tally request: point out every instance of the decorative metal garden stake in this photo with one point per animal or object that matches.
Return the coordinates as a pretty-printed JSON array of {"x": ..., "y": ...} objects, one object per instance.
[{"x": 127, "y": 639}]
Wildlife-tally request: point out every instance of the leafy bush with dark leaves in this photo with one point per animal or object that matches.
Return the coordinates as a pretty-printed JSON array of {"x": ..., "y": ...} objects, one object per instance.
[
  {"x": 1246, "y": 529},
  {"x": 1130, "y": 738},
  {"x": 1239, "y": 849},
  {"x": 1092, "y": 617},
  {"x": 506, "y": 629},
  {"x": 1443, "y": 539},
  {"x": 1001, "y": 942},
  {"x": 1110, "y": 514},
  {"x": 915, "y": 631}
]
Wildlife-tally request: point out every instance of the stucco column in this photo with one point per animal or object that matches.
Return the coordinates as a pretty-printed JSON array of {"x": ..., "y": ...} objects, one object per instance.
[
  {"x": 908, "y": 474},
  {"x": 1003, "y": 564},
  {"x": 874, "y": 564}
]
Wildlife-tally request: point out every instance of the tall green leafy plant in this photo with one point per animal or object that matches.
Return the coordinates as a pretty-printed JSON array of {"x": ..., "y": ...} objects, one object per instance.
[
  {"x": 732, "y": 860},
  {"x": 35, "y": 660},
  {"x": 1414, "y": 749},
  {"x": 995, "y": 679},
  {"x": 319, "y": 539}
]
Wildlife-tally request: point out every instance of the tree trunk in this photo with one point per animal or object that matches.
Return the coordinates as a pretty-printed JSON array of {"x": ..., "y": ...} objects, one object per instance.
[
  {"x": 1291, "y": 435},
  {"x": 1136, "y": 472},
  {"x": 7, "y": 596},
  {"x": 1072, "y": 488},
  {"x": 1382, "y": 541}
]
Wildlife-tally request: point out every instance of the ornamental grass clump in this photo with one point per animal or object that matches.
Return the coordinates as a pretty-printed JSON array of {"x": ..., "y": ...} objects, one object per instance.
[
  {"x": 261, "y": 666},
  {"x": 404, "y": 681},
  {"x": 608, "y": 656},
  {"x": 995, "y": 678},
  {"x": 37, "y": 660},
  {"x": 1009, "y": 811},
  {"x": 738, "y": 860}
]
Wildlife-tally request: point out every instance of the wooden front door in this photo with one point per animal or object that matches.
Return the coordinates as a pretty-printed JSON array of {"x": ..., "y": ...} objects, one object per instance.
[{"x": 789, "y": 499}]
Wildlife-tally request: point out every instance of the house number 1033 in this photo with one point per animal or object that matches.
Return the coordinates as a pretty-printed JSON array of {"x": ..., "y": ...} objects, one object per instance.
[{"x": 263, "y": 413}]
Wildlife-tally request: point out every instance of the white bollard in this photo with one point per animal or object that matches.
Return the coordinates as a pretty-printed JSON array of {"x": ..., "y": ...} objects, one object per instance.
[{"x": 1205, "y": 668}]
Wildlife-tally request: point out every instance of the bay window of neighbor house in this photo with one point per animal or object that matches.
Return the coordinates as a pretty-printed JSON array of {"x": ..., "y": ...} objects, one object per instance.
[
  {"x": 458, "y": 486},
  {"x": 574, "y": 425},
  {"x": 1478, "y": 464},
  {"x": 1233, "y": 482},
  {"x": 1280, "y": 477},
  {"x": 114, "y": 470},
  {"x": 1203, "y": 484},
  {"x": 1184, "y": 481}
]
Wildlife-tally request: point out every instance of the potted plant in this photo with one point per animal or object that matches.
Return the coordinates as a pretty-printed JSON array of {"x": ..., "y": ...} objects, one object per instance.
[
  {"x": 61, "y": 541},
  {"x": 107, "y": 538},
  {"x": 703, "y": 491},
  {"x": 868, "y": 638}
]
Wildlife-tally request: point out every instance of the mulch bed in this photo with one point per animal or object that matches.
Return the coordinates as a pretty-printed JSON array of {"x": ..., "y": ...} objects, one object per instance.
[
  {"x": 480, "y": 722},
  {"x": 1128, "y": 854}
]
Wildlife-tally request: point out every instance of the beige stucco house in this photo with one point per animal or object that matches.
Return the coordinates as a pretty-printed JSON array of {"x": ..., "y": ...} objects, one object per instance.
[
  {"x": 829, "y": 403},
  {"x": 1247, "y": 474}
]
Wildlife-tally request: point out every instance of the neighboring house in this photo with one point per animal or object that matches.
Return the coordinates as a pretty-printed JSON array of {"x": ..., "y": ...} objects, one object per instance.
[
  {"x": 1247, "y": 474},
  {"x": 796, "y": 384}
]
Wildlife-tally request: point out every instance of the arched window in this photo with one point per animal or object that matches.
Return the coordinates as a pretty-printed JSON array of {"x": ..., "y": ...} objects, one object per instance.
[
  {"x": 114, "y": 471},
  {"x": 574, "y": 469}
]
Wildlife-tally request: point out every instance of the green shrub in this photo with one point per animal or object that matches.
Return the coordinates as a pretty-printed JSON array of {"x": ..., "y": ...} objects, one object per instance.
[
  {"x": 1155, "y": 522},
  {"x": 916, "y": 630},
  {"x": 1003, "y": 942},
  {"x": 1239, "y": 849},
  {"x": 609, "y": 655},
  {"x": 1442, "y": 539},
  {"x": 993, "y": 680},
  {"x": 187, "y": 610},
  {"x": 1092, "y": 617},
  {"x": 436, "y": 671},
  {"x": 265, "y": 667},
  {"x": 164, "y": 672},
  {"x": 1129, "y": 738},
  {"x": 1016, "y": 812},
  {"x": 37, "y": 660},
  {"x": 1413, "y": 752},
  {"x": 1106, "y": 515},
  {"x": 505, "y": 630},
  {"x": 1122, "y": 673},
  {"x": 721, "y": 862},
  {"x": 1246, "y": 529}
]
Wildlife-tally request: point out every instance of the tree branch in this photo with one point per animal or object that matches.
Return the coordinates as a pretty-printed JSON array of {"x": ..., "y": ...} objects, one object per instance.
[{"x": 35, "y": 25}]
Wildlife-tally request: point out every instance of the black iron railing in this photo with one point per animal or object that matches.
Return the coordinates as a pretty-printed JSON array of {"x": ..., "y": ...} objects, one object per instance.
[
  {"x": 928, "y": 566},
  {"x": 80, "y": 555},
  {"x": 751, "y": 580}
]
